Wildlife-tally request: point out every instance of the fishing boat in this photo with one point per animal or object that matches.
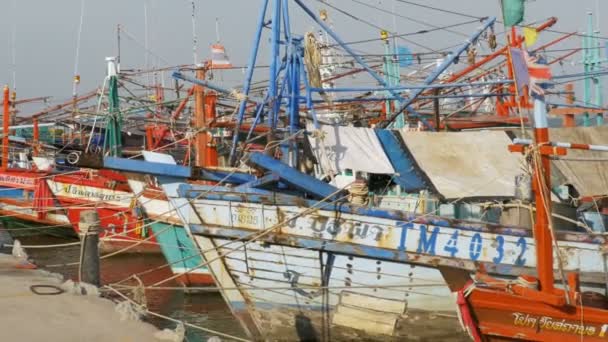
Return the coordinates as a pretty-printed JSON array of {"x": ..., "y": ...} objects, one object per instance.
[
  {"x": 24, "y": 192},
  {"x": 299, "y": 258},
  {"x": 532, "y": 308},
  {"x": 181, "y": 254}
]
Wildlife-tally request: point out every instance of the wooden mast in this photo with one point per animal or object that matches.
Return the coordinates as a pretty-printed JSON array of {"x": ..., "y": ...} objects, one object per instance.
[
  {"x": 5, "y": 128},
  {"x": 199, "y": 118},
  {"x": 541, "y": 184},
  {"x": 210, "y": 150},
  {"x": 36, "y": 137}
]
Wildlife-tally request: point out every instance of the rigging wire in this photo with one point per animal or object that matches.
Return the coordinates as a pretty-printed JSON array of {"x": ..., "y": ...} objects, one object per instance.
[
  {"x": 498, "y": 21},
  {"x": 352, "y": 16},
  {"x": 419, "y": 32},
  {"x": 76, "y": 80},
  {"x": 394, "y": 13},
  {"x": 13, "y": 46}
]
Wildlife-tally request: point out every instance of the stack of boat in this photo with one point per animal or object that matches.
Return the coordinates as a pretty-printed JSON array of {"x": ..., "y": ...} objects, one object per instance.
[{"x": 313, "y": 226}]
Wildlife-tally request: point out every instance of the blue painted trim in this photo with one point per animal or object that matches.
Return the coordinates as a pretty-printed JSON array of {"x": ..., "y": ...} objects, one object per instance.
[
  {"x": 199, "y": 191},
  {"x": 271, "y": 198},
  {"x": 259, "y": 183},
  {"x": 293, "y": 177},
  {"x": 11, "y": 193},
  {"x": 409, "y": 178},
  {"x": 152, "y": 168},
  {"x": 343, "y": 248},
  {"x": 228, "y": 177}
]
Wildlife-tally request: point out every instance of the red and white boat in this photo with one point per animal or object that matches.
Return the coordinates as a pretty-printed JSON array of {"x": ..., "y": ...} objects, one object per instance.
[
  {"x": 25, "y": 195},
  {"x": 108, "y": 193}
]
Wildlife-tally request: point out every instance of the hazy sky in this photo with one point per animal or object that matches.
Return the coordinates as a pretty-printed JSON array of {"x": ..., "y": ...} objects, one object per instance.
[{"x": 45, "y": 32}]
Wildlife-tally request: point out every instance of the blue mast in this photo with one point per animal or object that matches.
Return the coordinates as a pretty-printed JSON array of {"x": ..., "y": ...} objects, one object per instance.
[{"x": 249, "y": 75}]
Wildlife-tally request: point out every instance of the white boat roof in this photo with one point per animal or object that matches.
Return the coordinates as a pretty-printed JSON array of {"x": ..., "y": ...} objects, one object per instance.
[
  {"x": 338, "y": 148},
  {"x": 465, "y": 164}
]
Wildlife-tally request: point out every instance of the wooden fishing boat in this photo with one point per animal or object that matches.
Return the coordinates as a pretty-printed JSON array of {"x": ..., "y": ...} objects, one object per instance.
[
  {"x": 182, "y": 255},
  {"x": 293, "y": 258},
  {"x": 24, "y": 193},
  {"x": 25, "y": 196},
  {"x": 533, "y": 309},
  {"x": 109, "y": 194}
]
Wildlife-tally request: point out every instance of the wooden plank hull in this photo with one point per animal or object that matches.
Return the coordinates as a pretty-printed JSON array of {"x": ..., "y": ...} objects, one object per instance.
[
  {"x": 284, "y": 263},
  {"x": 500, "y": 315},
  {"x": 177, "y": 247},
  {"x": 122, "y": 228}
]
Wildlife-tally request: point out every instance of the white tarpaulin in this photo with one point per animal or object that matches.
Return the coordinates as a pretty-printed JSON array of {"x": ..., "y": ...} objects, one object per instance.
[
  {"x": 356, "y": 148},
  {"x": 466, "y": 164},
  {"x": 586, "y": 170}
]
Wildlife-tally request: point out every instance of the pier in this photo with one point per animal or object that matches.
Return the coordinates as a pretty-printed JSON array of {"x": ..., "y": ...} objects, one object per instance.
[{"x": 38, "y": 306}]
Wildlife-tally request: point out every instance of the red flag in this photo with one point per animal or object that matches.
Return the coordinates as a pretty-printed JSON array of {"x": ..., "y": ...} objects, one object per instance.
[{"x": 219, "y": 58}]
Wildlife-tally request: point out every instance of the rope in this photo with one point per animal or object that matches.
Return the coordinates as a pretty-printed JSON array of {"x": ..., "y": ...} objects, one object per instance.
[
  {"x": 147, "y": 311},
  {"x": 303, "y": 286},
  {"x": 254, "y": 236},
  {"x": 543, "y": 192},
  {"x": 358, "y": 193},
  {"x": 122, "y": 250},
  {"x": 531, "y": 209},
  {"x": 56, "y": 290},
  {"x": 59, "y": 245},
  {"x": 312, "y": 60},
  {"x": 202, "y": 252}
]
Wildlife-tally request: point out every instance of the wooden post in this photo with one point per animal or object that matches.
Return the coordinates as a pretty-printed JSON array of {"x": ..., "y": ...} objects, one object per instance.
[
  {"x": 541, "y": 184},
  {"x": 150, "y": 137},
  {"x": 36, "y": 137},
  {"x": 210, "y": 150},
  {"x": 569, "y": 120},
  {"x": 436, "y": 109},
  {"x": 13, "y": 112},
  {"x": 89, "y": 232},
  {"x": 5, "y": 128},
  {"x": 199, "y": 119}
]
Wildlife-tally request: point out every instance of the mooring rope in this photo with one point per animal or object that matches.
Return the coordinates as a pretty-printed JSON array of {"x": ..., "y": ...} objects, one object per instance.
[{"x": 147, "y": 311}]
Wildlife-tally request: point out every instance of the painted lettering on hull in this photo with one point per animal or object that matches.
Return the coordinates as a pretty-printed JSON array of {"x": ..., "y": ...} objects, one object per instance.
[
  {"x": 89, "y": 193},
  {"x": 465, "y": 244},
  {"x": 558, "y": 325},
  {"x": 11, "y": 180}
]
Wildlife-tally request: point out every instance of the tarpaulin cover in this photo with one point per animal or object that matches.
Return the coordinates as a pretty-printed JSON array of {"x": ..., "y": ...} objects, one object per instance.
[
  {"x": 474, "y": 164},
  {"x": 586, "y": 170},
  {"x": 355, "y": 148}
]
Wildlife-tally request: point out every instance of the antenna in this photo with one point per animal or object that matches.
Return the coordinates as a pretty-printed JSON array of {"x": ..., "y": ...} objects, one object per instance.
[
  {"x": 146, "y": 47},
  {"x": 78, "y": 39},
  {"x": 597, "y": 14},
  {"x": 118, "y": 46},
  {"x": 13, "y": 44},
  {"x": 217, "y": 29},
  {"x": 194, "y": 38}
]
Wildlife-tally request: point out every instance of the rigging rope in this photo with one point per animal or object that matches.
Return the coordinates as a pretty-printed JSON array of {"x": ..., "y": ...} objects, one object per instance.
[{"x": 76, "y": 80}]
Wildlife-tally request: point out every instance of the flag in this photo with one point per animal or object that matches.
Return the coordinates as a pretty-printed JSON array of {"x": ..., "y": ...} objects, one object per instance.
[
  {"x": 528, "y": 71},
  {"x": 520, "y": 68},
  {"x": 512, "y": 12},
  {"x": 531, "y": 35},
  {"x": 406, "y": 58},
  {"x": 219, "y": 58}
]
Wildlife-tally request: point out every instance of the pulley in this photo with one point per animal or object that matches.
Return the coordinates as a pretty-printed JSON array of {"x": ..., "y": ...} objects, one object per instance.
[
  {"x": 73, "y": 158},
  {"x": 471, "y": 54}
]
